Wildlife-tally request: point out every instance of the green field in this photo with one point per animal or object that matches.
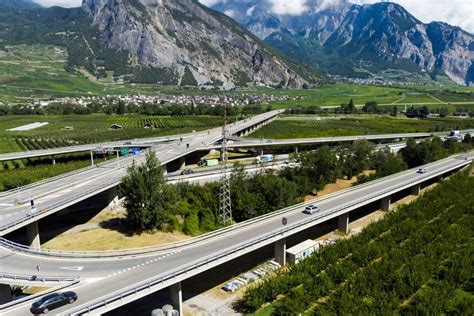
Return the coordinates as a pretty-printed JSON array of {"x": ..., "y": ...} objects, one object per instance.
[
  {"x": 38, "y": 72},
  {"x": 315, "y": 126},
  {"x": 418, "y": 260},
  {"x": 334, "y": 95},
  {"x": 92, "y": 128}
]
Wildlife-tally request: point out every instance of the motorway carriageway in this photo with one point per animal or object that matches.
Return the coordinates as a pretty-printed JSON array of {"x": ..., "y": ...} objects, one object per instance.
[{"x": 100, "y": 277}]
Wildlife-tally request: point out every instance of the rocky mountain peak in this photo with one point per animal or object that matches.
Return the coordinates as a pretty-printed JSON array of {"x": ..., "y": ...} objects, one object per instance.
[
  {"x": 183, "y": 36},
  {"x": 333, "y": 35}
]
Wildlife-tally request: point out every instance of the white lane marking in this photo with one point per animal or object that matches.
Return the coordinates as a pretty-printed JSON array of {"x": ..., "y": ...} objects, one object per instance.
[
  {"x": 144, "y": 263},
  {"x": 80, "y": 268}
]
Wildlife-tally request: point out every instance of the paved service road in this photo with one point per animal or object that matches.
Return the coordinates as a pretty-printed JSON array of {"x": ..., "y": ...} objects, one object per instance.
[{"x": 101, "y": 277}]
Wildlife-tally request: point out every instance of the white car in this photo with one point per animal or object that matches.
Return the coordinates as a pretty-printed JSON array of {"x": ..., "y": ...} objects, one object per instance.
[
  {"x": 422, "y": 170},
  {"x": 311, "y": 209}
]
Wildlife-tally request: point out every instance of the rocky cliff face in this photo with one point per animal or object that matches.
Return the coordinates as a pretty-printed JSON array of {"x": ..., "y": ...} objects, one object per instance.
[
  {"x": 182, "y": 37},
  {"x": 382, "y": 32}
]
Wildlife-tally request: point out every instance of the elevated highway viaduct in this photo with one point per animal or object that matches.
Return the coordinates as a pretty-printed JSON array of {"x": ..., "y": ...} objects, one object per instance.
[
  {"x": 65, "y": 191},
  {"x": 108, "y": 281},
  {"x": 53, "y": 196}
]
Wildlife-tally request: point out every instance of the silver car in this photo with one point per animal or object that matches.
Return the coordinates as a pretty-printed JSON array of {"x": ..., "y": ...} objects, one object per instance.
[{"x": 311, "y": 209}]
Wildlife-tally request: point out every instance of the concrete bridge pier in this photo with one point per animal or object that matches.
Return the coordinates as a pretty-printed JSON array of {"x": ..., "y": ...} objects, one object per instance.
[
  {"x": 33, "y": 236},
  {"x": 415, "y": 190},
  {"x": 385, "y": 204},
  {"x": 176, "y": 296},
  {"x": 5, "y": 294},
  {"x": 280, "y": 251},
  {"x": 113, "y": 195},
  {"x": 182, "y": 163},
  {"x": 343, "y": 223}
]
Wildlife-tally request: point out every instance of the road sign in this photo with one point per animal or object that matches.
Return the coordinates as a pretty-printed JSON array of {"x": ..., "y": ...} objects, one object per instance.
[
  {"x": 110, "y": 151},
  {"x": 124, "y": 151},
  {"x": 136, "y": 150}
]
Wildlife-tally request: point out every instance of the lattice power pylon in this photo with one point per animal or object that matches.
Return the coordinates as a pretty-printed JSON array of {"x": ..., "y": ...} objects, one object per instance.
[{"x": 225, "y": 204}]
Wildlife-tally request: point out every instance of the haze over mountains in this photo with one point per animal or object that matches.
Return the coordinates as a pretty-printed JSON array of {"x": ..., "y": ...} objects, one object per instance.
[
  {"x": 342, "y": 38},
  {"x": 184, "y": 42}
]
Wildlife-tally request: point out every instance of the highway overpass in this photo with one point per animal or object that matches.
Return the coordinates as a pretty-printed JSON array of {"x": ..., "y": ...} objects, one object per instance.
[
  {"x": 56, "y": 194},
  {"x": 53, "y": 196},
  {"x": 295, "y": 142},
  {"x": 51, "y": 152},
  {"x": 112, "y": 280}
]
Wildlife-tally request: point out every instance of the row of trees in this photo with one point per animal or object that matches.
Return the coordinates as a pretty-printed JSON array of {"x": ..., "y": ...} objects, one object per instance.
[
  {"x": 154, "y": 204},
  {"x": 396, "y": 265},
  {"x": 121, "y": 107}
]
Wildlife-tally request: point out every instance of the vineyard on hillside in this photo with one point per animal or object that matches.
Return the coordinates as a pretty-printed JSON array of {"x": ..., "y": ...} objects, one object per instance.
[{"x": 418, "y": 260}]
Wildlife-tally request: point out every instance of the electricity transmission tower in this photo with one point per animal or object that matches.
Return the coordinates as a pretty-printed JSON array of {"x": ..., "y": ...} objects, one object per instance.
[{"x": 225, "y": 207}]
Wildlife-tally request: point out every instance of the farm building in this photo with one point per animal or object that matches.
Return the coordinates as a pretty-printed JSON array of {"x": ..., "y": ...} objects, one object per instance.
[{"x": 116, "y": 126}]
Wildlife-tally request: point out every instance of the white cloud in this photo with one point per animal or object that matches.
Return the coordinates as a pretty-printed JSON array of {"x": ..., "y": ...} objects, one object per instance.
[
  {"x": 292, "y": 7},
  {"x": 210, "y": 2},
  {"x": 454, "y": 12},
  {"x": 60, "y": 3}
]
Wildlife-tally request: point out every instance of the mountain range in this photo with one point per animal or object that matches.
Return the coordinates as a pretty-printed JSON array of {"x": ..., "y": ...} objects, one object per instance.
[
  {"x": 237, "y": 42},
  {"x": 342, "y": 38},
  {"x": 155, "y": 41}
]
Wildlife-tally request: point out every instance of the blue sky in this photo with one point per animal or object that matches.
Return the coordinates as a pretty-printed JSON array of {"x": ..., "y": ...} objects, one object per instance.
[{"x": 455, "y": 12}]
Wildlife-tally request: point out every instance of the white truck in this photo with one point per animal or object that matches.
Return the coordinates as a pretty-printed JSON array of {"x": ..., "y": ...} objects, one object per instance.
[
  {"x": 456, "y": 135},
  {"x": 264, "y": 158}
]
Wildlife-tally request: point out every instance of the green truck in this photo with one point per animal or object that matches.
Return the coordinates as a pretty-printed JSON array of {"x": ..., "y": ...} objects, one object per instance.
[{"x": 209, "y": 163}]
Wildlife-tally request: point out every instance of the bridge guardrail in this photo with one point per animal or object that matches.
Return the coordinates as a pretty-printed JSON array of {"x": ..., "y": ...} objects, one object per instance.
[
  {"x": 59, "y": 177},
  {"x": 28, "y": 216},
  {"x": 36, "y": 278},
  {"x": 119, "y": 295}
]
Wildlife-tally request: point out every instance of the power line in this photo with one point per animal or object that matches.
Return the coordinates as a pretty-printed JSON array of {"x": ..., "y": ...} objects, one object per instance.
[{"x": 225, "y": 206}]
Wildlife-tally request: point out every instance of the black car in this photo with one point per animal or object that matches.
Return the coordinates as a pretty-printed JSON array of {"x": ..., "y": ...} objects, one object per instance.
[
  {"x": 52, "y": 301},
  {"x": 187, "y": 171}
]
